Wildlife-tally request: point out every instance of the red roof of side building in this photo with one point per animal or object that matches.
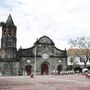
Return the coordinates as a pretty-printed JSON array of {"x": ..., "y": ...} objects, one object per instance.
[{"x": 76, "y": 52}]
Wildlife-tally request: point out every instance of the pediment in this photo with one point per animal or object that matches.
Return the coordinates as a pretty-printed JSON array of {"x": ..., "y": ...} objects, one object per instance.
[{"x": 45, "y": 40}]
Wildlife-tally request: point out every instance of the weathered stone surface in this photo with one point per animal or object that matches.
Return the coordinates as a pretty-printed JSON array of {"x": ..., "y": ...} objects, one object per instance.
[{"x": 44, "y": 57}]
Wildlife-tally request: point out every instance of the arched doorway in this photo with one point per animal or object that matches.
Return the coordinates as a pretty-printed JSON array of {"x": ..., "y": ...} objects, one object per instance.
[
  {"x": 44, "y": 69},
  {"x": 59, "y": 68},
  {"x": 28, "y": 69}
]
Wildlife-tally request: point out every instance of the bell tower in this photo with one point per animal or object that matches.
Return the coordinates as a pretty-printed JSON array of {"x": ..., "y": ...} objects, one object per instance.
[{"x": 8, "y": 40}]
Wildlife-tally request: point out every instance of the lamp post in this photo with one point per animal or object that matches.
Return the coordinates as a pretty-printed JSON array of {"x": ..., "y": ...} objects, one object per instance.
[{"x": 35, "y": 61}]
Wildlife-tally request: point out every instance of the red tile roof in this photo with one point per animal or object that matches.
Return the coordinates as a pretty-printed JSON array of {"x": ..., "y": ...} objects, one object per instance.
[{"x": 76, "y": 51}]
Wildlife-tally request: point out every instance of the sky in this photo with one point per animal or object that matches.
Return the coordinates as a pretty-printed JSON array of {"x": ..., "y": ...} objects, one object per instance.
[{"x": 60, "y": 20}]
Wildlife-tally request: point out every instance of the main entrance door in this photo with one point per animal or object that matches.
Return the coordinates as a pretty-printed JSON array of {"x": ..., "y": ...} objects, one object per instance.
[
  {"x": 59, "y": 68},
  {"x": 44, "y": 69},
  {"x": 28, "y": 69}
]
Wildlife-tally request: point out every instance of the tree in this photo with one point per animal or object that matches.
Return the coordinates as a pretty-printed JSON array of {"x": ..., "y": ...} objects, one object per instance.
[
  {"x": 2, "y": 24},
  {"x": 82, "y": 45},
  {"x": 72, "y": 58}
]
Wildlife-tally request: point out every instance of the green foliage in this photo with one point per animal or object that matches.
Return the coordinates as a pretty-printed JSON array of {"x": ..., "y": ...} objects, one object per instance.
[
  {"x": 2, "y": 24},
  {"x": 69, "y": 67}
]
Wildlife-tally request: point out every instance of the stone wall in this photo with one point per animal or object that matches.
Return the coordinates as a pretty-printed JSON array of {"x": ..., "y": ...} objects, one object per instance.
[
  {"x": 9, "y": 68},
  {"x": 51, "y": 62}
]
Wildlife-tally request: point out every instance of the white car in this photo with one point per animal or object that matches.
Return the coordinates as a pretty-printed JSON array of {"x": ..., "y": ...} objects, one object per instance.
[{"x": 85, "y": 70}]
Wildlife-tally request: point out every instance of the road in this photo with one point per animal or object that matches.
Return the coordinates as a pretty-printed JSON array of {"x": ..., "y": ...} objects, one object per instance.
[{"x": 45, "y": 82}]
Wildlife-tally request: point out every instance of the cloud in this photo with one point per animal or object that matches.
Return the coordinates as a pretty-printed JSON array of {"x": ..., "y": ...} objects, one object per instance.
[
  {"x": 8, "y": 4},
  {"x": 58, "y": 19}
]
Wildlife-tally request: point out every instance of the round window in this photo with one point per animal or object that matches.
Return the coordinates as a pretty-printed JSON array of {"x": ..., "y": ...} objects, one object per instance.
[{"x": 45, "y": 56}]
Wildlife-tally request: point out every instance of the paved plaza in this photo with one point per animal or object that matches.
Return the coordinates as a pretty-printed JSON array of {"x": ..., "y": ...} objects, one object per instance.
[{"x": 45, "y": 82}]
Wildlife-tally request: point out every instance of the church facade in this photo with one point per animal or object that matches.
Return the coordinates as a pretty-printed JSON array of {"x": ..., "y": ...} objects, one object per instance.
[{"x": 43, "y": 58}]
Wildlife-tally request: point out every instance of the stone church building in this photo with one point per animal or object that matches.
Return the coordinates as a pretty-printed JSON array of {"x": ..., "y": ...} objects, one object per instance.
[{"x": 43, "y": 58}]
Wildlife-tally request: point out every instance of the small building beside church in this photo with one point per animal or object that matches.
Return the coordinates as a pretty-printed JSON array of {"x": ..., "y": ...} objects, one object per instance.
[{"x": 43, "y": 58}]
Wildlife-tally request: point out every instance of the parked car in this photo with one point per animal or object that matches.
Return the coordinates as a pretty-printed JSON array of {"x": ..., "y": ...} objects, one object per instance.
[{"x": 84, "y": 71}]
